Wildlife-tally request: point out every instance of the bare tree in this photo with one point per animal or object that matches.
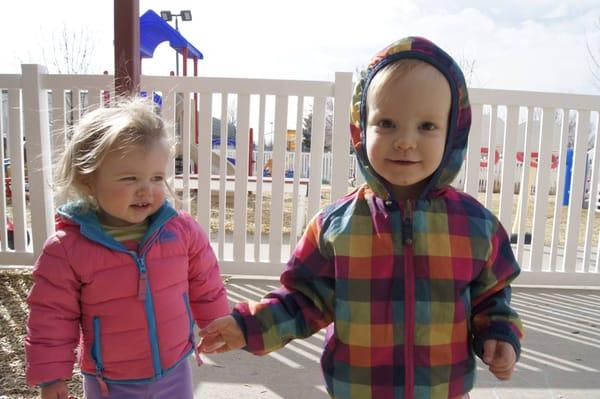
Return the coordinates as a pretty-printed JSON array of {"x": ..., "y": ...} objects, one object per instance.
[
  {"x": 69, "y": 51},
  {"x": 307, "y": 127},
  {"x": 468, "y": 68},
  {"x": 594, "y": 54}
]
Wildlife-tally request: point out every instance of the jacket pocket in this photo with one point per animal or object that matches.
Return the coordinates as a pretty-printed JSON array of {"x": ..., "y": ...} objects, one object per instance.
[
  {"x": 97, "y": 347},
  {"x": 188, "y": 310}
]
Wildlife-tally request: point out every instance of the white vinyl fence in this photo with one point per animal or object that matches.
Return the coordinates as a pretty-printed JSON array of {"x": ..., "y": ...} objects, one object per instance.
[
  {"x": 254, "y": 221},
  {"x": 327, "y": 164}
]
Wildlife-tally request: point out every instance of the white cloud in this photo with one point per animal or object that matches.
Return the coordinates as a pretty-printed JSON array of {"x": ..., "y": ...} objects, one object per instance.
[{"x": 559, "y": 12}]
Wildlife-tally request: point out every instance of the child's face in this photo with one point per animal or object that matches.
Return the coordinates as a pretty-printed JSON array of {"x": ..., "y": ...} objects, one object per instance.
[
  {"x": 130, "y": 186},
  {"x": 406, "y": 128}
]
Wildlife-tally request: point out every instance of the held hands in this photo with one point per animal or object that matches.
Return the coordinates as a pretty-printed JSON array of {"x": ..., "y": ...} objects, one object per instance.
[
  {"x": 500, "y": 356},
  {"x": 222, "y": 335},
  {"x": 57, "y": 390}
]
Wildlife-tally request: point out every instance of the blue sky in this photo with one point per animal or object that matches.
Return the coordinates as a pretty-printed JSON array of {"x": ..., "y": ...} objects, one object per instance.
[{"x": 517, "y": 45}]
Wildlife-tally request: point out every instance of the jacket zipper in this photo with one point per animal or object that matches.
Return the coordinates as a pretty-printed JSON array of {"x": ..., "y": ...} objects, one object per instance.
[
  {"x": 143, "y": 288},
  {"x": 140, "y": 261},
  {"x": 409, "y": 303}
]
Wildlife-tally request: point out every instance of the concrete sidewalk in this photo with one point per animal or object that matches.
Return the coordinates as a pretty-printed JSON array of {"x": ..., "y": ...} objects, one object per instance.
[{"x": 560, "y": 359}]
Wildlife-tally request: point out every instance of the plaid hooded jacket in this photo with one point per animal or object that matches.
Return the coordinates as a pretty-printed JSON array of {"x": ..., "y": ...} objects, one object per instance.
[{"x": 412, "y": 290}]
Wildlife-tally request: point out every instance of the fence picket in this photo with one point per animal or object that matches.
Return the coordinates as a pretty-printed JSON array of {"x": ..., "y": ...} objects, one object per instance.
[
  {"x": 297, "y": 218},
  {"x": 240, "y": 198},
  {"x": 471, "y": 185},
  {"x": 592, "y": 206},
  {"x": 204, "y": 160},
  {"x": 576, "y": 196},
  {"x": 509, "y": 153},
  {"x": 277, "y": 176},
  {"x": 316, "y": 156},
  {"x": 223, "y": 175},
  {"x": 557, "y": 216},
  {"x": 541, "y": 190},
  {"x": 258, "y": 203}
]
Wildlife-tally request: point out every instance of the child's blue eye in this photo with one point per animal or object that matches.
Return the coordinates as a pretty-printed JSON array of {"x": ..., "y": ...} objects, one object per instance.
[
  {"x": 385, "y": 124},
  {"x": 157, "y": 178},
  {"x": 427, "y": 126},
  {"x": 128, "y": 178}
]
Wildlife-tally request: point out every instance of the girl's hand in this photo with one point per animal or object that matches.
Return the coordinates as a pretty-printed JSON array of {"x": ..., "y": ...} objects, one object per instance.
[
  {"x": 57, "y": 390},
  {"x": 222, "y": 335},
  {"x": 500, "y": 356}
]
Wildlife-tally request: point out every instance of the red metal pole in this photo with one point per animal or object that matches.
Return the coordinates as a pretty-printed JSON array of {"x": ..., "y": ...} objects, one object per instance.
[
  {"x": 127, "y": 46},
  {"x": 185, "y": 58}
]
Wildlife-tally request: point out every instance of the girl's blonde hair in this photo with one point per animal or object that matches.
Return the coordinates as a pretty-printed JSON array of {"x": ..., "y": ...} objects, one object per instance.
[{"x": 128, "y": 123}]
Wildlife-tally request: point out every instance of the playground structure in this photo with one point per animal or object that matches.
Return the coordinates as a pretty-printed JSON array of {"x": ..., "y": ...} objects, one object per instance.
[{"x": 154, "y": 31}]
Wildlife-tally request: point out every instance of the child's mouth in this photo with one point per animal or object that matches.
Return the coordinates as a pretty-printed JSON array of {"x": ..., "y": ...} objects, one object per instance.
[
  {"x": 402, "y": 162},
  {"x": 141, "y": 205}
]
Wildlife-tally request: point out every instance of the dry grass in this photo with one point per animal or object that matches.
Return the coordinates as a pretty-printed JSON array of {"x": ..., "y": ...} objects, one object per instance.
[
  {"x": 562, "y": 219},
  {"x": 250, "y": 211},
  {"x": 325, "y": 195}
]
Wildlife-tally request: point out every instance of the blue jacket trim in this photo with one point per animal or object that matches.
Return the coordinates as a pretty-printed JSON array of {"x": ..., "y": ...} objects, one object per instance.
[{"x": 97, "y": 347}]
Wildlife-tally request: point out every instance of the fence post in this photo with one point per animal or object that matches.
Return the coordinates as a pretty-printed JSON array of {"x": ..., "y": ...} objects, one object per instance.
[
  {"x": 38, "y": 150},
  {"x": 340, "y": 142}
]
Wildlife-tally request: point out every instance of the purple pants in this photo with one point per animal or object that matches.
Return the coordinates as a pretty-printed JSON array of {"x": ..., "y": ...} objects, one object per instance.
[{"x": 176, "y": 384}]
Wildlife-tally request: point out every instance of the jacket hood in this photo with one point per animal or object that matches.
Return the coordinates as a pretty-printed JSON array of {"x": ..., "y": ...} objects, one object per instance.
[{"x": 459, "y": 119}]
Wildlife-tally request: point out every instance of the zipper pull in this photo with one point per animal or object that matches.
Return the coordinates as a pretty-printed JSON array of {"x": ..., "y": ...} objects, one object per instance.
[
  {"x": 407, "y": 231},
  {"x": 199, "y": 361},
  {"x": 103, "y": 386},
  {"x": 142, "y": 286}
]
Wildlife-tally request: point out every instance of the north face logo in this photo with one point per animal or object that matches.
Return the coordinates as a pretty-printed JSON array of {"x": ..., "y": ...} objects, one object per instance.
[{"x": 167, "y": 236}]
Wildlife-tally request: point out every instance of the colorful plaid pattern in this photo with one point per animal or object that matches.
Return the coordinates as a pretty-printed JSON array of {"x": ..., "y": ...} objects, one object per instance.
[{"x": 412, "y": 290}]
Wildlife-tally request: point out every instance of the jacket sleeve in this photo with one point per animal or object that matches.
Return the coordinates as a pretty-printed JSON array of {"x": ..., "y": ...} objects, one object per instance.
[
  {"x": 208, "y": 297},
  {"x": 492, "y": 317},
  {"x": 54, "y": 317},
  {"x": 302, "y": 306}
]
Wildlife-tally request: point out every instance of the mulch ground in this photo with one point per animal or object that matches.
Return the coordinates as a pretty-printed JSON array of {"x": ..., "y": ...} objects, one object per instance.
[{"x": 14, "y": 286}]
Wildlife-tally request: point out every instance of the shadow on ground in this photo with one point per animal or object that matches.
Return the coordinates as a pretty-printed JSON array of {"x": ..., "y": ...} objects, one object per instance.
[
  {"x": 560, "y": 359},
  {"x": 561, "y": 356}
]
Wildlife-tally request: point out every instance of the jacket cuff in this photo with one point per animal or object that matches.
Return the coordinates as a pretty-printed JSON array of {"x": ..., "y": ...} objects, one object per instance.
[
  {"x": 499, "y": 332},
  {"x": 250, "y": 326},
  {"x": 239, "y": 319}
]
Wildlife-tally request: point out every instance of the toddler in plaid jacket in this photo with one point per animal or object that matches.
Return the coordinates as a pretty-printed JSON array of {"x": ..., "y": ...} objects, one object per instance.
[{"x": 411, "y": 276}]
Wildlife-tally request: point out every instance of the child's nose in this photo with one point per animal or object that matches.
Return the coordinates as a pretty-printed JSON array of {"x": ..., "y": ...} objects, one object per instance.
[
  {"x": 143, "y": 188},
  {"x": 405, "y": 141}
]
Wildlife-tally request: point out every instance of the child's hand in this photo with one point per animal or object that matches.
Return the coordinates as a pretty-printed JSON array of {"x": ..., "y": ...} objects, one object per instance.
[
  {"x": 222, "y": 335},
  {"x": 57, "y": 390},
  {"x": 500, "y": 356}
]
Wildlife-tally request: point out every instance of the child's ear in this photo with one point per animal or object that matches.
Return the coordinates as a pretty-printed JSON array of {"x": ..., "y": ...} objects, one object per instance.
[{"x": 86, "y": 184}]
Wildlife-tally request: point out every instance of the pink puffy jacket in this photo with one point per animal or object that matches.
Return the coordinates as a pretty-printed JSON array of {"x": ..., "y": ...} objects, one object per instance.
[{"x": 132, "y": 311}]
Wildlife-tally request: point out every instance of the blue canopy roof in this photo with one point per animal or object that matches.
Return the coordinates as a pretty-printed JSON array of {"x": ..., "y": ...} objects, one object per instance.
[{"x": 154, "y": 30}]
